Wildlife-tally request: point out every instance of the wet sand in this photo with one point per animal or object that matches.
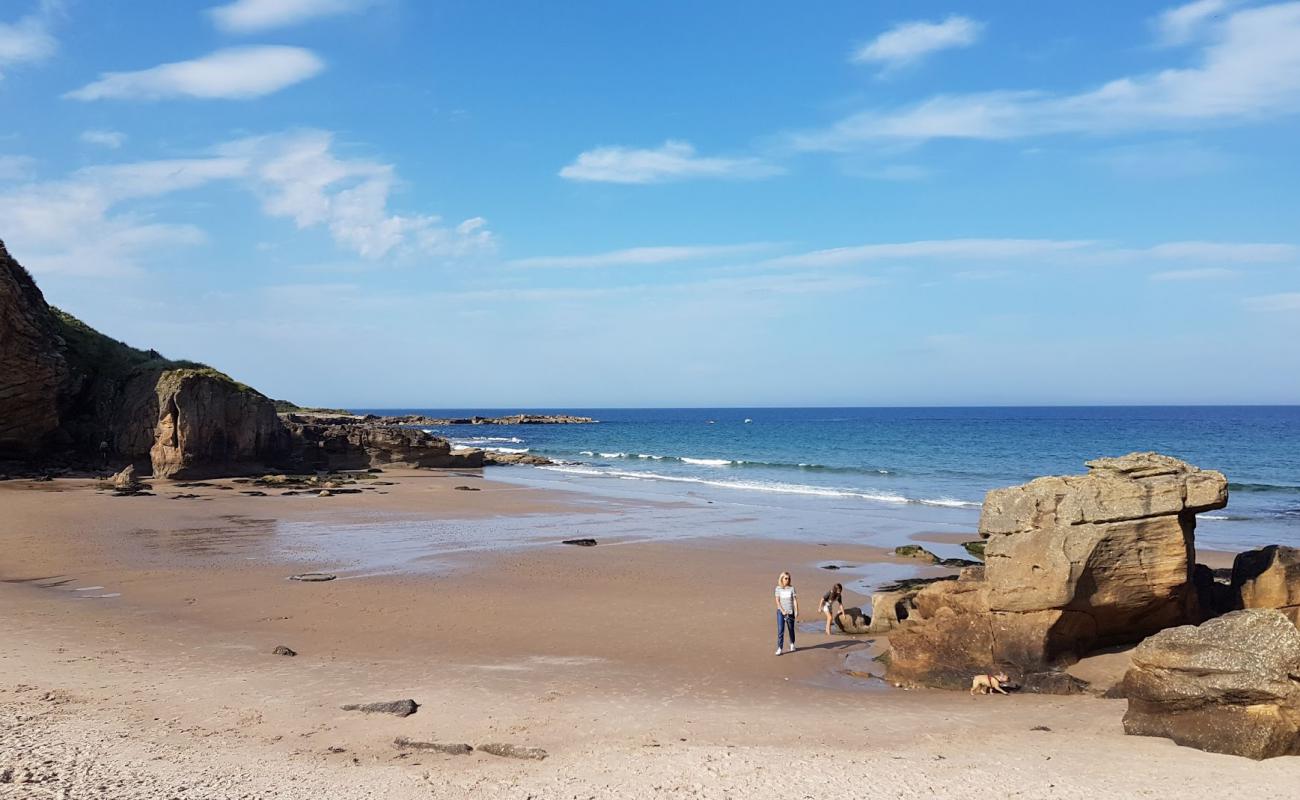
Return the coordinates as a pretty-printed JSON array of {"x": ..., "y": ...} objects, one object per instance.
[{"x": 137, "y": 659}]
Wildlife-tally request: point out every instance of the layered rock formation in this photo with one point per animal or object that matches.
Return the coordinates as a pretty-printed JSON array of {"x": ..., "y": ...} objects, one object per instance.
[
  {"x": 1268, "y": 578},
  {"x": 32, "y": 369},
  {"x": 1231, "y": 685},
  {"x": 1072, "y": 564}
]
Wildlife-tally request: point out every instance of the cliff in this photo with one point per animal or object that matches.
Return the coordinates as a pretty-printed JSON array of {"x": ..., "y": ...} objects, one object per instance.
[{"x": 69, "y": 393}]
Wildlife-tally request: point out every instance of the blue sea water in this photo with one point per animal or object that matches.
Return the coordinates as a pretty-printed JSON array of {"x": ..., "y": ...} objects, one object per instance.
[{"x": 928, "y": 465}]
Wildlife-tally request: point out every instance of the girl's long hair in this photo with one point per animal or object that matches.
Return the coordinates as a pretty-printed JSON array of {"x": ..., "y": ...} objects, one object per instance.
[{"x": 837, "y": 592}]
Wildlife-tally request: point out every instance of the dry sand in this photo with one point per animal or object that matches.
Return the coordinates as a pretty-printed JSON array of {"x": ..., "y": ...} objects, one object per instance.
[{"x": 136, "y": 662}]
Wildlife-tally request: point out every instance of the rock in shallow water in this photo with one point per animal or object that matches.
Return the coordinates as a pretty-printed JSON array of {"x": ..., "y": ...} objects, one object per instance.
[{"x": 580, "y": 542}]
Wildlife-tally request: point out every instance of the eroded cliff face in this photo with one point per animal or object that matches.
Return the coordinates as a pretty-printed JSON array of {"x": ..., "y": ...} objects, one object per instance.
[
  {"x": 209, "y": 425},
  {"x": 33, "y": 372}
]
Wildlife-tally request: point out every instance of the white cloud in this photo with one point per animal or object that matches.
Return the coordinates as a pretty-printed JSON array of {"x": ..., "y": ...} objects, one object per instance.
[
  {"x": 86, "y": 224},
  {"x": 1285, "y": 301},
  {"x": 1182, "y": 24},
  {"x": 910, "y": 42},
  {"x": 1249, "y": 70},
  {"x": 674, "y": 161},
  {"x": 637, "y": 256},
  {"x": 255, "y": 16},
  {"x": 15, "y": 168},
  {"x": 28, "y": 39},
  {"x": 1206, "y": 274},
  {"x": 299, "y": 177},
  {"x": 236, "y": 73},
  {"x": 1241, "y": 253},
  {"x": 110, "y": 139},
  {"x": 1164, "y": 159}
]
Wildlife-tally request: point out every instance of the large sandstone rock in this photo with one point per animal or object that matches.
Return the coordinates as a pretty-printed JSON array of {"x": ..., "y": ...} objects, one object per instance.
[
  {"x": 1231, "y": 685},
  {"x": 1071, "y": 564},
  {"x": 210, "y": 425},
  {"x": 1268, "y": 578},
  {"x": 33, "y": 372},
  {"x": 362, "y": 446}
]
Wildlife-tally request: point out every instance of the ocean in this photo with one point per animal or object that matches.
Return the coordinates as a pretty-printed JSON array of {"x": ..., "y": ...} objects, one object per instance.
[{"x": 918, "y": 468}]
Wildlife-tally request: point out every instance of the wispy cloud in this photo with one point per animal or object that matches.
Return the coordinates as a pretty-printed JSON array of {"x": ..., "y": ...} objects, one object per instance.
[
  {"x": 1182, "y": 24},
  {"x": 1285, "y": 301},
  {"x": 87, "y": 223},
  {"x": 1248, "y": 70},
  {"x": 237, "y": 73},
  {"x": 1082, "y": 252},
  {"x": 1205, "y": 274},
  {"x": 1164, "y": 159},
  {"x": 256, "y": 16},
  {"x": 15, "y": 168},
  {"x": 110, "y": 139},
  {"x": 955, "y": 249},
  {"x": 638, "y": 256},
  {"x": 673, "y": 161},
  {"x": 29, "y": 39},
  {"x": 910, "y": 42}
]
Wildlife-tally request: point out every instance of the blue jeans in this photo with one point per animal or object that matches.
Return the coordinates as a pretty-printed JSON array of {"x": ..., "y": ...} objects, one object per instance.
[{"x": 784, "y": 622}]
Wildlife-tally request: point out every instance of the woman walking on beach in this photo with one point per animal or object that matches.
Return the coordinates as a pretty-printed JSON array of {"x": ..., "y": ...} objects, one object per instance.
[
  {"x": 787, "y": 609},
  {"x": 829, "y": 600}
]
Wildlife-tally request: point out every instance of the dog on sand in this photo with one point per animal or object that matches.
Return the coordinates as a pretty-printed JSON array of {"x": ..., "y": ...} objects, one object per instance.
[{"x": 987, "y": 684}]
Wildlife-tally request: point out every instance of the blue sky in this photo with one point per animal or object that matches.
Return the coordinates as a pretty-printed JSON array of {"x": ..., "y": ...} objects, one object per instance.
[{"x": 385, "y": 203}]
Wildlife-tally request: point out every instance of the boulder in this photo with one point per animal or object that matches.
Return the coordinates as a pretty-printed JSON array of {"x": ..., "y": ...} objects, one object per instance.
[
  {"x": 1231, "y": 685},
  {"x": 1268, "y": 578},
  {"x": 1072, "y": 564},
  {"x": 916, "y": 551},
  {"x": 126, "y": 480},
  {"x": 853, "y": 621},
  {"x": 210, "y": 425}
]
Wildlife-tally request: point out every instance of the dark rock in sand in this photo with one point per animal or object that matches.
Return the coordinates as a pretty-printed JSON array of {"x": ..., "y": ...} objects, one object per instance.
[
  {"x": 580, "y": 542},
  {"x": 281, "y": 650},
  {"x": 466, "y": 488},
  {"x": 449, "y": 748},
  {"x": 253, "y": 493},
  {"x": 184, "y": 496},
  {"x": 830, "y": 566},
  {"x": 400, "y": 708},
  {"x": 1052, "y": 682},
  {"x": 1230, "y": 685},
  {"x": 313, "y": 577},
  {"x": 513, "y": 751}
]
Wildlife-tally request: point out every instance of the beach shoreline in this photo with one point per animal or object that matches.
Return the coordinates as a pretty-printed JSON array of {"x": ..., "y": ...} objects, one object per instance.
[{"x": 141, "y": 631}]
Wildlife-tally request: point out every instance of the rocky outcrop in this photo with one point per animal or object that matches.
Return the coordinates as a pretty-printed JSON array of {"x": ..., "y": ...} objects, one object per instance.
[
  {"x": 1231, "y": 685},
  {"x": 1268, "y": 578},
  {"x": 496, "y": 459},
  {"x": 513, "y": 419},
  {"x": 210, "y": 425},
  {"x": 1072, "y": 564},
  {"x": 33, "y": 372},
  {"x": 320, "y": 446}
]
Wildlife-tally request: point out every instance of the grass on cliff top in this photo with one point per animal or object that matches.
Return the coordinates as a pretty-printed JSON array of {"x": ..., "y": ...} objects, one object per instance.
[
  {"x": 93, "y": 353},
  {"x": 288, "y": 407}
]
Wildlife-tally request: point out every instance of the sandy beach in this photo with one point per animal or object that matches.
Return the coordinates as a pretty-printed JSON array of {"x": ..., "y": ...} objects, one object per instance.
[{"x": 138, "y": 661}]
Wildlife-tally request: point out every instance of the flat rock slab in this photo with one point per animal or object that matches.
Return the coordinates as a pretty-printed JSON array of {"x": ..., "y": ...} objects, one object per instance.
[
  {"x": 580, "y": 542},
  {"x": 313, "y": 577},
  {"x": 400, "y": 708},
  {"x": 450, "y": 748},
  {"x": 513, "y": 751}
]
